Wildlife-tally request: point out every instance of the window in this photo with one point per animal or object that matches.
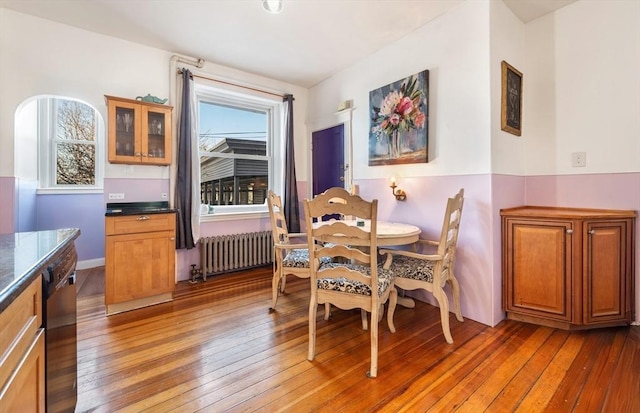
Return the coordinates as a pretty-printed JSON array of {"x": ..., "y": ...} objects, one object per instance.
[
  {"x": 68, "y": 134},
  {"x": 239, "y": 143}
]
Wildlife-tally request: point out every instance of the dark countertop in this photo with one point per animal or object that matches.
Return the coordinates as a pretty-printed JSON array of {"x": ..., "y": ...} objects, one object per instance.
[
  {"x": 24, "y": 255},
  {"x": 138, "y": 208}
]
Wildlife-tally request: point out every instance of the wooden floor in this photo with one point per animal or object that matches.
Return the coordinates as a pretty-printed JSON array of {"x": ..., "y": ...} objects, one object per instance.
[{"x": 217, "y": 348}]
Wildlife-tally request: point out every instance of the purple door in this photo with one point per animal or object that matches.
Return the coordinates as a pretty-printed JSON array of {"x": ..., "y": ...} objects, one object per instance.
[{"x": 327, "y": 159}]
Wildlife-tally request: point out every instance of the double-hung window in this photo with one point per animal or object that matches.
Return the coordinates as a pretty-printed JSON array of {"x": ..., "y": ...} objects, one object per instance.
[
  {"x": 69, "y": 132},
  {"x": 240, "y": 150}
]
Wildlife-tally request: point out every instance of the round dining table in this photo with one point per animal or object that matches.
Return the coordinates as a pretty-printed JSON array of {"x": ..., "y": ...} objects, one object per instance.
[{"x": 388, "y": 233}]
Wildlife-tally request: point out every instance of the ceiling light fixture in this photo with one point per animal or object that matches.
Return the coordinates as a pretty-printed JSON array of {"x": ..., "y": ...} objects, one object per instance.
[{"x": 272, "y": 6}]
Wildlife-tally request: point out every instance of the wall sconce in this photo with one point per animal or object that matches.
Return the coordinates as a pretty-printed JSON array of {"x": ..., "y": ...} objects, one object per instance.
[
  {"x": 398, "y": 193},
  {"x": 272, "y": 6}
]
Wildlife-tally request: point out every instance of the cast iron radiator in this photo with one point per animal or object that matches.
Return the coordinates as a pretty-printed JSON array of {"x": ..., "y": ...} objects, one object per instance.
[{"x": 227, "y": 253}]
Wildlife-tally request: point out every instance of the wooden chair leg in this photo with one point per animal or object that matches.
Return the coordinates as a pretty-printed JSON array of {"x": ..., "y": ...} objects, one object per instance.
[
  {"x": 443, "y": 302},
  {"x": 455, "y": 290},
  {"x": 393, "y": 300},
  {"x": 313, "y": 307},
  {"x": 283, "y": 283},
  {"x": 373, "y": 370},
  {"x": 327, "y": 311},
  {"x": 274, "y": 289},
  {"x": 363, "y": 317}
]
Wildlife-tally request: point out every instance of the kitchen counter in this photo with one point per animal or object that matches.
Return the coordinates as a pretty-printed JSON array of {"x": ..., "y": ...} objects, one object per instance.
[
  {"x": 138, "y": 208},
  {"x": 24, "y": 255}
]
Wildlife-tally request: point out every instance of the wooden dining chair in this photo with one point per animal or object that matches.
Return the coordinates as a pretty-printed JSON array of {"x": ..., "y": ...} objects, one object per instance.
[
  {"x": 431, "y": 272},
  {"x": 289, "y": 258},
  {"x": 353, "y": 279}
]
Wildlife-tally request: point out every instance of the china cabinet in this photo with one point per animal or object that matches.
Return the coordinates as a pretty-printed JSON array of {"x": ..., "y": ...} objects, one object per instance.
[
  {"x": 568, "y": 268},
  {"x": 139, "y": 260},
  {"x": 139, "y": 132}
]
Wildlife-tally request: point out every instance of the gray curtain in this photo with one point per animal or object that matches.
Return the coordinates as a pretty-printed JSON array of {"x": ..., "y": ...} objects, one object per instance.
[
  {"x": 291, "y": 208},
  {"x": 184, "y": 179}
]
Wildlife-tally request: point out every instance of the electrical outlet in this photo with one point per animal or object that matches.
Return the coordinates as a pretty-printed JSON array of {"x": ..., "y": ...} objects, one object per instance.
[
  {"x": 578, "y": 159},
  {"x": 116, "y": 196},
  {"x": 164, "y": 195}
]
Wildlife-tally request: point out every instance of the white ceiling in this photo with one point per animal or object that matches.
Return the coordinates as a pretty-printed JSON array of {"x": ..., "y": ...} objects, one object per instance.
[{"x": 306, "y": 43}]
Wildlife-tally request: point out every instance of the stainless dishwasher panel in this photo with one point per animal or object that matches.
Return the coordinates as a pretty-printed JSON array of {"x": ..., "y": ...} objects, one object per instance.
[{"x": 60, "y": 334}]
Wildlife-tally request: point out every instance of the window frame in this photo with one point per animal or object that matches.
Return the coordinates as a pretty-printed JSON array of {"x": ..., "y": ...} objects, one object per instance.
[
  {"x": 47, "y": 107},
  {"x": 273, "y": 108}
]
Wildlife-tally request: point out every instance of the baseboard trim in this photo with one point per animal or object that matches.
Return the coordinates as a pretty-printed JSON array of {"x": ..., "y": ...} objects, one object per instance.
[{"x": 83, "y": 265}]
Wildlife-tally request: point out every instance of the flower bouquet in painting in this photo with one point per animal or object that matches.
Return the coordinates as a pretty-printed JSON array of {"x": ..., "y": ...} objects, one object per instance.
[{"x": 398, "y": 132}]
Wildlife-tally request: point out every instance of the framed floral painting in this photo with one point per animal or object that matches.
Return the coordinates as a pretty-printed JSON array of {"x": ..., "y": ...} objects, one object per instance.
[{"x": 399, "y": 121}]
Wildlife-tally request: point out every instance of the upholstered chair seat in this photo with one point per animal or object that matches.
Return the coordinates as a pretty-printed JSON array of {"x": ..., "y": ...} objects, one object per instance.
[
  {"x": 385, "y": 279},
  {"x": 413, "y": 268}
]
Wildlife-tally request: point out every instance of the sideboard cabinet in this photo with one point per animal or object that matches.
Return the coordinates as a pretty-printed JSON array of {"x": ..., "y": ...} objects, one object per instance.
[
  {"x": 568, "y": 268},
  {"x": 139, "y": 132},
  {"x": 139, "y": 261}
]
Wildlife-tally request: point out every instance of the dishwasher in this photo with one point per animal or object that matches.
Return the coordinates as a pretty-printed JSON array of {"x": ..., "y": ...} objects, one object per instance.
[{"x": 59, "y": 322}]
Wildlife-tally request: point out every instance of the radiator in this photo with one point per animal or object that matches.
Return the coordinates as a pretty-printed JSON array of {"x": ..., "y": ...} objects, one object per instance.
[{"x": 226, "y": 253}]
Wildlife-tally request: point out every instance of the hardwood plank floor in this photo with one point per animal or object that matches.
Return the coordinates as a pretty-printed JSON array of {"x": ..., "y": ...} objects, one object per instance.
[{"x": 217, "y": 348}]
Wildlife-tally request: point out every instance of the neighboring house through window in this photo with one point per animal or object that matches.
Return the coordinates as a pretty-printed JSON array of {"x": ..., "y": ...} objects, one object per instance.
[{"x": 239, "y": 145}]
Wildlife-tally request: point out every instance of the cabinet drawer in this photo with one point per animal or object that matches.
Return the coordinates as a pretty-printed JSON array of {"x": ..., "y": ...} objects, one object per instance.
[
  {"x": 135, "y": 224},
  {"x": 19, "y": 324},
  {"x": 24, "y": 390}
]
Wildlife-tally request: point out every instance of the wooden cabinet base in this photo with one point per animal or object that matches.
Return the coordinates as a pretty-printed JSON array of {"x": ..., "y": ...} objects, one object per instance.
[
  {"x": 139, "y": 261},
  {"x": 568, "y": 268},
  {"x": 139, "y": 303},
  {"x": 563, "y": 325}
]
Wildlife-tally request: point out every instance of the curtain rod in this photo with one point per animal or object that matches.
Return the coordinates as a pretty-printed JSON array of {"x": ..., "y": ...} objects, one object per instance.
[{"x": 233, "y": 84}]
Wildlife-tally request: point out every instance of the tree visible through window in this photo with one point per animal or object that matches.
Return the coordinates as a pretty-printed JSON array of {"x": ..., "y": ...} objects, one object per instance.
[
  {"x": 75, "y": 143},
  {"x": 69, "y": 132}
]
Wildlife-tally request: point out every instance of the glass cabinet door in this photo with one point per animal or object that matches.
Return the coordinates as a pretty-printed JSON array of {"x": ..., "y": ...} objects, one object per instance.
[
  {"x": 125, "y": 131},
  {"x": 156, "y": 129},
  {"x": 139, "y": 132}
]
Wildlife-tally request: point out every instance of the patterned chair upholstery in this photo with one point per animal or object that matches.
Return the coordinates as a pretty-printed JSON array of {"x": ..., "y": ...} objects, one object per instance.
[
  {"x": 288, "y": 258},
  {"x": 431, "y": 273},
  {"x": 353, "y": 279}
]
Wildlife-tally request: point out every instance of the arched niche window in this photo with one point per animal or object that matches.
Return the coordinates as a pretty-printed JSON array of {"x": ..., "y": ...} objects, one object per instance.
[{"x": 67, "y": 136}]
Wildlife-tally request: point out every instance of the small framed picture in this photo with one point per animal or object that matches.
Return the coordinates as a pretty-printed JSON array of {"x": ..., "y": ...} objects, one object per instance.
[{"x": 511, "y": 113}]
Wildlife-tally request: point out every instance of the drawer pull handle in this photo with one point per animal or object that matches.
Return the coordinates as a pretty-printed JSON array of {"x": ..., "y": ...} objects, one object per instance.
[
  {"x": 569, "y": 231},
  {"x": 592, "y": 231},
  {"x": 172, "y": 239},
  {"x": 143, "y": 218}
]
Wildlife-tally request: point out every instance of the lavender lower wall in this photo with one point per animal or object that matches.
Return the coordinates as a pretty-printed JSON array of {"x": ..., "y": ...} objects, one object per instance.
[
  {"x": 7, "y": 201},
  {"x": 83, "y": 211},
  {"x": 477, "y": 272},
  {"x": 478, "y": 263}
]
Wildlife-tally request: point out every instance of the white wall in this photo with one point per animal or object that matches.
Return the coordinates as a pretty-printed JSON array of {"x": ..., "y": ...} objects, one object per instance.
[
  {"x": 507, "y": 41},
  {"x": 582, "y": 93},
  {"x": 39, "y": 57},
  {"x": 454, "y": 48}
]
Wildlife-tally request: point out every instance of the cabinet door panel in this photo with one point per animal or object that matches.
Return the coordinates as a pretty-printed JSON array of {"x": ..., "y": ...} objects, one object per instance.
[
  {"x": 540, "y": 272},
  {"x": 25, "y": 390},
  {"x": 605, "y": 271},
  {"x": 156, "y": 129},
  {"x": 124, "y": 132},
  {"x": 140, "y": 265}
]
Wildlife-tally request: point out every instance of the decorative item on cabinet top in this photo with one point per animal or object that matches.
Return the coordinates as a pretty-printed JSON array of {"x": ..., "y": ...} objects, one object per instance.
[
  {"x": 151, "y": 99},
  {"x": 139, "y": 131}
]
